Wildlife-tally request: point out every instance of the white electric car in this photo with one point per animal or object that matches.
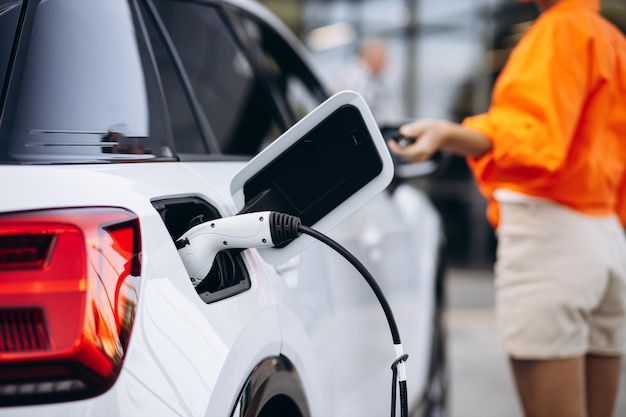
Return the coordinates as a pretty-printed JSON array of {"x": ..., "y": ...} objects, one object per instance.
[{"x": 126, "y": 123}]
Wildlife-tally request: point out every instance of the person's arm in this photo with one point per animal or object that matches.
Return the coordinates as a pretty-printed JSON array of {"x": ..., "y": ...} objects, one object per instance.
[{"x": 434, "y": 135}]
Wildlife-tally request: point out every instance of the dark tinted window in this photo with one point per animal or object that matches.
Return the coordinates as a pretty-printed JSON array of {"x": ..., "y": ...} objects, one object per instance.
[
  {"x": 299, "y": 88},
  {"x": 9, "y": 14},
  {"x": 78, "y": 92},
  {"x": 185, "y": 127},
  {"x": 223, "y": 80}
]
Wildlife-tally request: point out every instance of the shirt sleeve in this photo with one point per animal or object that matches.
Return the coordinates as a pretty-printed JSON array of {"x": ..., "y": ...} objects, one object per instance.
[{"x": 537, "y": 102}]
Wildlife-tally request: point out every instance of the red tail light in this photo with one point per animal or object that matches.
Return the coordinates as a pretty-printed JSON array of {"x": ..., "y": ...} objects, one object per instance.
[{"x": 69, "y": 282}]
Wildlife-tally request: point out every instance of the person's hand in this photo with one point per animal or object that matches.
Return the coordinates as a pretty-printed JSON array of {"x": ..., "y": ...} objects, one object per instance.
[{"x": 429, "y": 136}]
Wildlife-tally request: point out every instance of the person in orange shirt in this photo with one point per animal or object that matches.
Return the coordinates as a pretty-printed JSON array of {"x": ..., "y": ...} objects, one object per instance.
[{"x": 550, "y": 157}]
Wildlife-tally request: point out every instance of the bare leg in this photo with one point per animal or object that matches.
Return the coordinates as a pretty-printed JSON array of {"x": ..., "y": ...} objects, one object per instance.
[
  {"x": 602, "y": 374},
  {"x": 551, "y": 388}
]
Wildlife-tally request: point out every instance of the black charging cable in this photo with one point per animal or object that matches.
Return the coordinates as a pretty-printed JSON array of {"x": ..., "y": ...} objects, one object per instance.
[{"x": 285, "y": 228}]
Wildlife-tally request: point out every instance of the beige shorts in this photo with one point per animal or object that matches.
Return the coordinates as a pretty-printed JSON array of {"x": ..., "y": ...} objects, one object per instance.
[{"x": 560, "y": 282}]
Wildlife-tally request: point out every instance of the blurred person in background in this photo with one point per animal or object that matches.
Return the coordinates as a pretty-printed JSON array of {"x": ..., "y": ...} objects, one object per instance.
[
  {"x": 366, "y": 75},
  {"x": 550, "y": 157}
]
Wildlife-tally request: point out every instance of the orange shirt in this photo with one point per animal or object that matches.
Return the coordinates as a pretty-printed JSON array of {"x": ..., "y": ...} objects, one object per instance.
[{"x": 557, "y": 120}]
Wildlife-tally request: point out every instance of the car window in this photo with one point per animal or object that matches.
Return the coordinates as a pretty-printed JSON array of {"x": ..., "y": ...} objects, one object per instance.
[
  {"x": 78, "y": 92},
  {"x": 188, "y": 138},
  {"x": 297, "y": 85},
  {"x": 223, "y": 80},
  {"x": 9, "y": 14}
]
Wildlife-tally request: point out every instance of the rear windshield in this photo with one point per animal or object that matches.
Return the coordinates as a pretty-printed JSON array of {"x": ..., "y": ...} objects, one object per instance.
[{"x": 77, "y": 90}]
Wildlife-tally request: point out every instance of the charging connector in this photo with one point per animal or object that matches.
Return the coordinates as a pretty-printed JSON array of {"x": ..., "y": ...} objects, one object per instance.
[{"x": 198, "y": 246}]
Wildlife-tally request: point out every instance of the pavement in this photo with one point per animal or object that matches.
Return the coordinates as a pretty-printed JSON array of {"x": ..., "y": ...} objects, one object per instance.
[{"x": 481, "y": 384}]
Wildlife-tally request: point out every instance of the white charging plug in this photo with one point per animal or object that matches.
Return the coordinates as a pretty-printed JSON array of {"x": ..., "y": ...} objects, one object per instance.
[{"x": 200, "y": 244}]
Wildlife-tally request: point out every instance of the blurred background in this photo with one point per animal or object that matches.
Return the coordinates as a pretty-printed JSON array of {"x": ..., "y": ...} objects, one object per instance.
[{"x": 442, "y": 59}]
